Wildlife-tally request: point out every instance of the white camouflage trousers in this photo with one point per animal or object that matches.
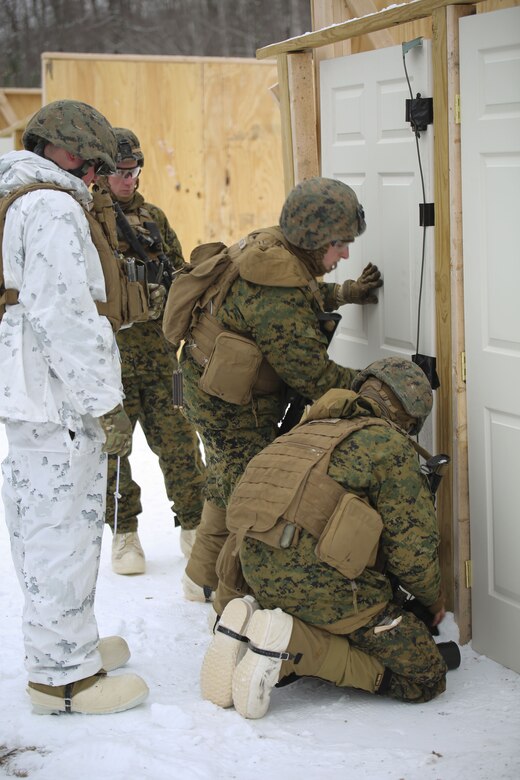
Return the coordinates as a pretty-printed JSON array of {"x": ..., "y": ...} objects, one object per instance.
[{"x": 54, "y": 495}]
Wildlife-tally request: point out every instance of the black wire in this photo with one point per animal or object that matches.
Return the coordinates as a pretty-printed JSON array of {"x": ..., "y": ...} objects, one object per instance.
[{"x": 423, "y": 257}]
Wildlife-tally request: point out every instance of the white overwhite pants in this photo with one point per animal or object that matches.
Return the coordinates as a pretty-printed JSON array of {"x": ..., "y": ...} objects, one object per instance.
[{"x": 54, "y": 494}]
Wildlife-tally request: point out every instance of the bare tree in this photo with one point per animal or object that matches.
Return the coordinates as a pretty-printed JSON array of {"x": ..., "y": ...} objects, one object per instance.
[{"x": 226, "y": 28}]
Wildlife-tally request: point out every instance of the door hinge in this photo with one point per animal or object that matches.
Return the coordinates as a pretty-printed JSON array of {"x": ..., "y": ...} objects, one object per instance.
[
  {"x": 463, "y": 370},
  {"x": 457, "y": 109},
  {"x": 468, "y": 573}
]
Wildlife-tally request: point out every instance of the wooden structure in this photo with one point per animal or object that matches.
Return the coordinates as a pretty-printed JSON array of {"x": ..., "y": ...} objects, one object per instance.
[
  {"x": 16, "y": 106},
  {"x": 352, "y": 26},
  {"x": 209, "y": 128}
]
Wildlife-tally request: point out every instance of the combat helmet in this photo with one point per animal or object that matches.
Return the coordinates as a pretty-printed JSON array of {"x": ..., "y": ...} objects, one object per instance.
[
  {"x": 408, "y": 383},
  {"x": 321, "y": 210},
  {"x": 77, "y": 127},
  {"x": 128, "y": 146}
]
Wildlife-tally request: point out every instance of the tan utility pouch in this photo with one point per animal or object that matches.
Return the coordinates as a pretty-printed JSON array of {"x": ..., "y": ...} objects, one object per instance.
[
  {"x": 136, "y": 305},
  {"x": 135, "y": 295},
  {"x": 232, "y": 369},
  {"x": 350, "y": 540}
]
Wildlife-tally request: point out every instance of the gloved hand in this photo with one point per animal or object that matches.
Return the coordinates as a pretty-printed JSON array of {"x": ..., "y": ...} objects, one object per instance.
[
  {"x": 118, "y": 431},
  {"x": 156, "y": 298},
  {"x": 360, "y": 291}
]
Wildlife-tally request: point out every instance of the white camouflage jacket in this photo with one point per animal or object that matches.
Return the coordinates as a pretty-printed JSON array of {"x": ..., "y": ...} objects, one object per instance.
[{"x": 58, "y": 357}]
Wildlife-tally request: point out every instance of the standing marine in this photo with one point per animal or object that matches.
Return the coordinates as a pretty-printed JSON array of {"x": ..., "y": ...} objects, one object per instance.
[
  {"x": 62, "y": 296},
  {"x": 256, "y": 324},
  {"x": 148, "y": 360}
]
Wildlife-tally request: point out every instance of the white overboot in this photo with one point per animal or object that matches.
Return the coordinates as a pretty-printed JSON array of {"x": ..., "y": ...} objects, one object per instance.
[
  {"x": 194, "y": 592},
  {"x": 269, "y": 632},
  {"x": 95, "y": 695},
  {"x": 225, "y": 651},
  {"x": 114, "y": 652},
  {"x": 186, "y": 541}
]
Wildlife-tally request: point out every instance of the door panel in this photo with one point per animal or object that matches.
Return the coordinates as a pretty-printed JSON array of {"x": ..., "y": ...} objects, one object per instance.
[
  {"x": 367, "y": 143},
  {"x": 490, "y": 148}
]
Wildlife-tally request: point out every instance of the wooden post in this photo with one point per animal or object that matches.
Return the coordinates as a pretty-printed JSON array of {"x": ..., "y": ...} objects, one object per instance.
[
  {"x": 461, "y": 532},
  {"x": 443, "y": 292},
  {"x": 303, "y": 116},
  {"x": 285, "y": 113}
]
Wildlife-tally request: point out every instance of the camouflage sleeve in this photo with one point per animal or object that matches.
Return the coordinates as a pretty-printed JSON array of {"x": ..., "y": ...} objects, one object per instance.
[
  {"x": 285, "y": 327},
  {"x": 410, "y": 537},
  {"x": 327, "y": 290},
  {"x": 171, "y": 243}
]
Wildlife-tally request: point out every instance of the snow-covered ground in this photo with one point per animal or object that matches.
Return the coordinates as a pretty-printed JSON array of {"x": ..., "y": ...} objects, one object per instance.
[{"x": 312, "y": 729}]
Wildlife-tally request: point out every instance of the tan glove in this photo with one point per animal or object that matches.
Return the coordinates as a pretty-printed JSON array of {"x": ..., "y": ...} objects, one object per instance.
[
  {"x": 118, "y": 431},
  {"x": 360, "y": 291},
  {"x": 156, "y": 300}
]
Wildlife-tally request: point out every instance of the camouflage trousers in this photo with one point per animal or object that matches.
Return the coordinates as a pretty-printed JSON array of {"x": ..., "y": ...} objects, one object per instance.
[
  {"x": 232, "y": 435},
  {"x": 54, "y": 496},
  {"x": 402, "y": 662},
  {"x": 147, "y": 365},
  {"x": 320, "y": 596},
  {"x": 227, "y": 454},
  {"x": 408, "y": 651}
]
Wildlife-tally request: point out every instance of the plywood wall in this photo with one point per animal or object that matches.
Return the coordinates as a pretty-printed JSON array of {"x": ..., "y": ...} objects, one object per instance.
[{"x": 209, "y": 129}]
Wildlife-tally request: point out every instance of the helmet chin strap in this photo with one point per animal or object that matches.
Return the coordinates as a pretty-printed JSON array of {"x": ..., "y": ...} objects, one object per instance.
[
  {"x": 387, "y": 401},
  {"x": 39, "y": 149}
]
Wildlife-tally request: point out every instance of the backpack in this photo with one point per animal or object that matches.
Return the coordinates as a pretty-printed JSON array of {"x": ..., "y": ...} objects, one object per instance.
[{"x": 211, "y": 273}]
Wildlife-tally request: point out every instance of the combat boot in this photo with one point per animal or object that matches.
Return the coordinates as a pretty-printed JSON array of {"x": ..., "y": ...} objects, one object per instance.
[
  {"x": 95, "y": 695},
  {"x": 225, "y": 651},
  {"x": 127, "y": 554}
]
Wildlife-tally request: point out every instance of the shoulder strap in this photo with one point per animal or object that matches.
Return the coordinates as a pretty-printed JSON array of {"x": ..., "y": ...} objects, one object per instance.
[
  {"x": 9, "y": 297},
  {"x": 293, "y": 275}
]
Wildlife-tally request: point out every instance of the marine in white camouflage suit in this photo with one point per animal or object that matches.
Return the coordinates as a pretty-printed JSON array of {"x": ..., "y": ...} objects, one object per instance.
[{"x": 60, "y": 400}]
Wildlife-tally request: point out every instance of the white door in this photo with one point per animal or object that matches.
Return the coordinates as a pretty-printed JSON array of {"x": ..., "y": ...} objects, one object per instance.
[
  {"x": 490, "y": 144},
  {"x": 367, "y": 143}
]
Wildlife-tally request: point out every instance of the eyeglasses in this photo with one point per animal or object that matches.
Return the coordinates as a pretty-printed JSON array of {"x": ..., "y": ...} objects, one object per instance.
[{"x": 127, "y": 173}]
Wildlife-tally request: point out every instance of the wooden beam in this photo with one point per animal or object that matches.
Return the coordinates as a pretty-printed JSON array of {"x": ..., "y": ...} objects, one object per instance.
[
  {"x": 303, "y": 116},
  {"x": 285, "y": 113},
  {"x": 9, "y": 114},
  {"x": 388, "y": 17},
  {"x": 380, "y": 38},
  {"x": 443, "y": 292},
  {"x": 461, "y": 529}
]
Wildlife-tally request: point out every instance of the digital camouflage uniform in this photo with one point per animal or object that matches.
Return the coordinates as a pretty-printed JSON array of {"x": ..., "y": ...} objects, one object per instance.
[
  {"x": 380, "y": 464},
  {"x": 148, "y": 360},
  {"x": 283, "y": 322}
]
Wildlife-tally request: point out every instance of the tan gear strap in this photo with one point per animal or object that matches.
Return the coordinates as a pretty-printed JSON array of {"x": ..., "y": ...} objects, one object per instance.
[{"x": 126, "y": 301}]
